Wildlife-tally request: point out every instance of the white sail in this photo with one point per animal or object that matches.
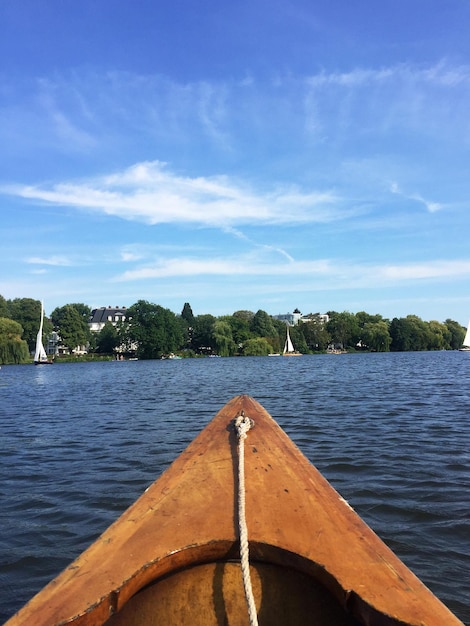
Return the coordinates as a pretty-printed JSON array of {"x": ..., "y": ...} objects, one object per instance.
[
  {"x": 288, "y": 346},
  {"x": 40, "y": 354},
  {"x": 466, "y": 341}
]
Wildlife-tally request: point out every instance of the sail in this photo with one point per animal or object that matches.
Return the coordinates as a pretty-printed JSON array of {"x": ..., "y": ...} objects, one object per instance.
[
  {"x": 466, "y": 341},
  {"x": 288, "y": 346},
  {"x": 40, "y": 353}
]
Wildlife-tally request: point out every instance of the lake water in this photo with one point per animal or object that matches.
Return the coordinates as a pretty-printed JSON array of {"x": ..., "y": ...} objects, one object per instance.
[{"x": 391, "y": 432}]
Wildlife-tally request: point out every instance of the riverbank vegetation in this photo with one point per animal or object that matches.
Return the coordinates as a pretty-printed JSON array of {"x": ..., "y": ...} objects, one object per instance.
[{"x": 151, "y": 331}]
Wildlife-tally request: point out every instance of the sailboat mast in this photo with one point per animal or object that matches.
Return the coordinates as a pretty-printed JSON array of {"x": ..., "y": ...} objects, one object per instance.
[
  {"x": 41, "y": 322},
  {"x": 40, "y": 355},
  {"x": 289, "y": 349}
]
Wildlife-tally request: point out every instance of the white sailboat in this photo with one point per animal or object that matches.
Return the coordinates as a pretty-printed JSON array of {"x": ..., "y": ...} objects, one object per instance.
[
  {"x": 289, "y": 349},
  {"x": 466, "y": 342},
  {"x": 40, "y": 356}
]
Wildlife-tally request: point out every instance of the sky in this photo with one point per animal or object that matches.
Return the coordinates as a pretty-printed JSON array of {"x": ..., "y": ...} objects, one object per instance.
[{"x": 239, "y": 155}]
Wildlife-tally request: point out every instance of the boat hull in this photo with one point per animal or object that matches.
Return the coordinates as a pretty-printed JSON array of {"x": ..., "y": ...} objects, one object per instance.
[{"x": 174, "y": 553}]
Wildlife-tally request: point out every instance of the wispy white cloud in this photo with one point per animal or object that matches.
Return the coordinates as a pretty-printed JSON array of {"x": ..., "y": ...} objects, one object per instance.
[
  {"x": 51, "y": 260},
  {"x": 440, "y": 73},
  {"x": 363, "y": 274},
  {"x": 430, "y": 205},
  {"x": 239, "y": 235},
  {"x": 213, "y": 112},
  {"x": 353, "y": 78},
  {"x": 150, "y": 193},
  {"x": 230, "y": 266},
  {"x": 319, "y": 114},
  {"x": 61, "y": 124},
  {"x": 429, "y": 269},
  {"x": 368, "y": 102},
  {"x": 82, "y": 107},
  {"x": 129, "y": 255}
]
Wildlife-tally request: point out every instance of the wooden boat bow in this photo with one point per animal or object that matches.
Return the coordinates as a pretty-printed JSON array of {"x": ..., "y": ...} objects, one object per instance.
[{"x": 185, "y": 526}]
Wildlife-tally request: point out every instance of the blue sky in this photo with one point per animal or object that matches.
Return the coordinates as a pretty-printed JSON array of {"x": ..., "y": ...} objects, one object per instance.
[{"x": 243, "y": 155}]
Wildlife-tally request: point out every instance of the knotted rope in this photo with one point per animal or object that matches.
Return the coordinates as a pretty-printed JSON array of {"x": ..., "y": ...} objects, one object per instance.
[{"x": 242, "y": 426}]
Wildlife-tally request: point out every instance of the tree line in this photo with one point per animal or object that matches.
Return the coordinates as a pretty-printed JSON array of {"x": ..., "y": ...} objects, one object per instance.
[{"x": 151, "y": 331}]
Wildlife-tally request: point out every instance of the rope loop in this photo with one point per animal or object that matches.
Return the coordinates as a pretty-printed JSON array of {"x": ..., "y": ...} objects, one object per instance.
[{"x": 242, "y": 425}]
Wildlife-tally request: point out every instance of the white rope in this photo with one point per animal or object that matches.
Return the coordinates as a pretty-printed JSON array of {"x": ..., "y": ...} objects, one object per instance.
[{"x": 243, "y": 425}]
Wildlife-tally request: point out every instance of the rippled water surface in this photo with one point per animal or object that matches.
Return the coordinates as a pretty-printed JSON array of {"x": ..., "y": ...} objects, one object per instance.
[{"x": 391, "y": 432}]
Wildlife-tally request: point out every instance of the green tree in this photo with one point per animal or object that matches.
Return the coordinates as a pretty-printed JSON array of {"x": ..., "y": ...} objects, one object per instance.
[
  {"x": 240, "y": 329},
  {"x": 187, "y": 324},
  {"x": 71, "y": 325},
  {"x": 423, "y": 339},
  {"x": 316, "y": 335},
  {"x": 154, "y": 330},
  {"x": 107, "y": 339},
  {"x": 409, "y": 333},
  {"x": 343, "y": 328},
  {"x": 13, "y": 349},
  {"x": 258, "y": 346},
  {"x": 439, "y": 335},
  {"x": 376, "y": 337},
  {"x": 247, "y": 316},
  {"x": 274, "y": 331},
  {"x": 364, "y": 318},
  {"x": 27, "y": 312},
  {"x": 187, "y": 314},
  {"x": 457, "y": 334},
  {"x": 4, "y": 309},
  {"x": 224, "y": 343},
  {"x": 401, "y": 335},
  {"x": 83, "y": 310},
  {"x": 262, "y": 325},
  {"x": 203, "y": 340}
]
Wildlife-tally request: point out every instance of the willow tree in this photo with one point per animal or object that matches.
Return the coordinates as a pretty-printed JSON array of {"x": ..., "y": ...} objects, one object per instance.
[
  {"x": 222, "y": 334},
  {"x": 259, "y": 346},
  {"x": 240, "y": 329},
  {"x": 376, "y": 336},
  {"x": 13, "y": 349}
]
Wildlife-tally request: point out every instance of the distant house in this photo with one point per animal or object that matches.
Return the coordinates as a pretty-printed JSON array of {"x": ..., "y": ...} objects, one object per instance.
[
  {"x": 292, "y": 319},
  {"x": 55, "y": 347},
  {"x": 53, "y": 344},
  {"x": 99, "y": 317},
  {"x": 323, "y": 318}
]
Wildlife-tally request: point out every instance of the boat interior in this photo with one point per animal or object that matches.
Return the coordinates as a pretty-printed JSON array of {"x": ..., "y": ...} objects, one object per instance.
[{"x": 212, "y": 594}]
